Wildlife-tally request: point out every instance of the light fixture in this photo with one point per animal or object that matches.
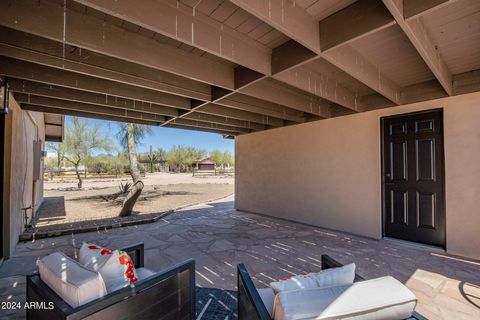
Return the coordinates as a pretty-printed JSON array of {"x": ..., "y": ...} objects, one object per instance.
[{"x": 4, "y": 94}]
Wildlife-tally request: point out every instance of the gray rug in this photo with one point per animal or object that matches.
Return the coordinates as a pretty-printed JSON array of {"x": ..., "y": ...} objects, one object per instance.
[{"x": 216, "y": 304}]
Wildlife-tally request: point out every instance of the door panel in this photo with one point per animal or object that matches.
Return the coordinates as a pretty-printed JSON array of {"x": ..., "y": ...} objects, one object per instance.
[{"x": 413, "y": 177}]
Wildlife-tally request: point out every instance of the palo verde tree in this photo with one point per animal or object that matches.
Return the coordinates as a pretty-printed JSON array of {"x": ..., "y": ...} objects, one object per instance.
[
  {"x": 82, "y": 137},
  {"x": 130, "y": 135},
  {"x": 59, "y": 150}
]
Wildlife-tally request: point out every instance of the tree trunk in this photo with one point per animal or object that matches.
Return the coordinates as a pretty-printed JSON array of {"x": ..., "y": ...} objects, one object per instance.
[
  {"x": 137, "y": 187},
  {"x": 131, "y": 199},
  {"x": 79, "y": 177},
  {"x": 132, "y": 154}
]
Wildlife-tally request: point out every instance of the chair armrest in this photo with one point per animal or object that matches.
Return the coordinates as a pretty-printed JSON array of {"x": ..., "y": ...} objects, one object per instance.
[
  {"x": 137, "y": 253},
  {"x": 250, "y": 305}
]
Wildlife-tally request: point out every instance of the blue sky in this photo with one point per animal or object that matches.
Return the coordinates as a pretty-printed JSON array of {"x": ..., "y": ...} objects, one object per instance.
[{"x": 167, "y": 137}]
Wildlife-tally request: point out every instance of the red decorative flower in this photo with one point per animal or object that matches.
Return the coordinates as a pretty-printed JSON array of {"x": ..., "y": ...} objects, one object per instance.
[{"x": 129, "y": 273}]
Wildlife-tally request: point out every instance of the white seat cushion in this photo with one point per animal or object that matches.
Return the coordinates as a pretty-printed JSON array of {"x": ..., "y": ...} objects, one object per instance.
[
  {"x": 268, "y": 297},
  {"x": 382, "y": 298},
  {"x": 74, "y": 283},
  {"x": 325, "y": 278}
]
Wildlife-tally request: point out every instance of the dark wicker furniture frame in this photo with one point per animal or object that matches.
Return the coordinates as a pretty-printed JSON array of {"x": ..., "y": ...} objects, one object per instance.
[
  {"x": 169, "y": 294},
  {"x": 250, "y": 305}
]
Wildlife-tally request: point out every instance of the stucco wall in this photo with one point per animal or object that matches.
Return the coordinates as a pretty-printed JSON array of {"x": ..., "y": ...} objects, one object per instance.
[
  {"x": 327, "y": 173},
  {"x": 22, "y": 128}
]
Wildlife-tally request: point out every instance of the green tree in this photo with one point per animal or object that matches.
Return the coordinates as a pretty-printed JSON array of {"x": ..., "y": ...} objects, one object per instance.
[
  {"x": 221, "y": 158},
  {"x": 81, "y": 139},
  {"x": 59, "y": 150},
  {"x": 182, "y": 157}
]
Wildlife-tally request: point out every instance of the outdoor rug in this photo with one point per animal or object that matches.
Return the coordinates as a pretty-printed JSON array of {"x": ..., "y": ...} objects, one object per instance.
[{"x": 216, "y": 304}]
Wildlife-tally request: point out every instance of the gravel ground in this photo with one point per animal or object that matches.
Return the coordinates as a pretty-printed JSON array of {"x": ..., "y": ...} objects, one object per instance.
[{"x": 100, "y": 203}]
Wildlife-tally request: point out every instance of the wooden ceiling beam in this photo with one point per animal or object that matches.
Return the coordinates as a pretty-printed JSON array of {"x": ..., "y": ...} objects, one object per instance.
[
  {"x": 320, "y": 85},
  {"x": 39, "y": 73},
  {"x": 303, "y": 28},
  {"x": 31, "y": 48},
  {"x": 286, "y": 17},
  {"x": 289, "y": 55},
  {"x": 85, "y": 114},
  {"x": 216, "y": 109},
  {"x": 225, "y": 121},
  {"x": 45, "y": 90},
  {"x": 251, "y": 104},
  {"x": 353, "y": 22},
  {"x": 84, "y": 107},
  {"x": 225, "y": 134},
  {"x": 420, "y": 38},
  {"x": 270, "y": 91},
  {"x": 209, "y": 125},
  {"x": 353, "y": 63},
  {"x": 467, "y": 82},
  {"x": 414, "y": 9},
  {"x": 88, "y": 32},
  {"x": 180, "y": 22}
]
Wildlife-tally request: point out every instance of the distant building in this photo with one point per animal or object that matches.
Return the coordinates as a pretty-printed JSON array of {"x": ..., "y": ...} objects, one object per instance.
[{"x": 204, "y": 165}]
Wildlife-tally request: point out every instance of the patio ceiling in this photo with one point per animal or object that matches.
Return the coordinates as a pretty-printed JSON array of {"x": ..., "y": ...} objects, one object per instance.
[{"x": 239, "y": 66}]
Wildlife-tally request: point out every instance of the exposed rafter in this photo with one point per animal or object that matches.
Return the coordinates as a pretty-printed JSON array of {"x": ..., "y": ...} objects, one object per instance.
[
  {"x": 144, "y": 51},
  {"x": 355, "y": 21},
  {"x": 85, "y": 114},
  {"x": 247, "y": 103},
  {"x": 91, "y": 108},
  {"x": 271, "y": 91},
  {"x": 415, "y": 9},
  {"x": 39, "y": 73},
  {"x": 352, "y": 62},
  {"x": 304, "y": 29},
  {"x": 94, "y": 34},
  {"x": 35, "y": 49},
  {"x": 217, "y": 109},
  {"x": 286, "y": 17},
  {"x": 320, "y": 85},
  {"x": 420, "y": 38},
  {"x": 209, "y": 125},
  {"x": 50, "y": 91},
  {"x": 225, "y": 121},
  {"x": 182, "y": 23}
]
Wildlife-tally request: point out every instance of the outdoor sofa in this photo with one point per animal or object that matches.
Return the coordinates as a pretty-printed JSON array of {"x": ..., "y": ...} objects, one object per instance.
[
  {"x": 258, "y": 304},
  {"x": 168, "y": 294}
]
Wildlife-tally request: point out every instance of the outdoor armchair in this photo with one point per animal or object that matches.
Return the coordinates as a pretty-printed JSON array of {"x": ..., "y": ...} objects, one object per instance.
[
  {"x": 257, "y": 304},
  {"x": 168, "y": 294}
]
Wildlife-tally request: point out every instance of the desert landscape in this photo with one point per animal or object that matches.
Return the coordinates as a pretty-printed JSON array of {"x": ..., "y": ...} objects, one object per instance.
[{"x": 99, "y": 201}]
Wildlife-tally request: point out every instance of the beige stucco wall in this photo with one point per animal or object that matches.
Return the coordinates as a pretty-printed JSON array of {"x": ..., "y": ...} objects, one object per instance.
[
  {"x": 22, "y": 128},
  {"x": 327, "y": 173}
]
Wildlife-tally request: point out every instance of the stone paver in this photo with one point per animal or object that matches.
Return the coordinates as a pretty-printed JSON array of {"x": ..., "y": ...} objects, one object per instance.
[{"x": 218, "y": 237}]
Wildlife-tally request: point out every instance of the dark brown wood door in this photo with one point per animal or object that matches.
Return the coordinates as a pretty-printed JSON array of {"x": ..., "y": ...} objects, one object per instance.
[{"x": 413, "y": 178}]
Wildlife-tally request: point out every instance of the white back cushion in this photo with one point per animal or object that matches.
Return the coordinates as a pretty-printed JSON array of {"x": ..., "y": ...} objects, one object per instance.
[
  {"x": 329, "y": 277},
  {"x": 382, "y": 298},
  {"x": 75, "y": 284},
  {"x": 116, "y": 267},
  {"x": 92, "y": 256}
]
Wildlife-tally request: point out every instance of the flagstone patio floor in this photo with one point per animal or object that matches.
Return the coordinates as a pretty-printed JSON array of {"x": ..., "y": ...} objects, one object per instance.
[{"x": 218, "y": 237}]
